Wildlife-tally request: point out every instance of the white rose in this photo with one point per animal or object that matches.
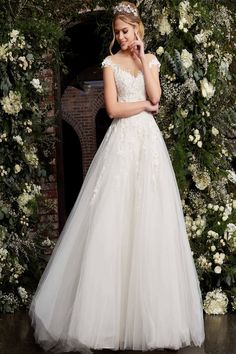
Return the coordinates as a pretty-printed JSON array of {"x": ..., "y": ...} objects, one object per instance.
[
  {"x": 217, "y": 269},
  {"x": 207, "y": 88},
  {"x": 215, "y": 302},
  {"x": 37, "y": 85},
  {"x": 231, "y": 176},
  {"x": 11, "y": 104},
  {"x": 186, "y": 58},
  {"x": 199, "y": 144},
  {"x": 190, "y": 138},
  {"x": 17, "y": 168},
  {"x": 214, "y": 131},
  {"x": 164, "y": 26},
  {"x": 160, "y": 50},
  {"x": 213, "y": 248}
]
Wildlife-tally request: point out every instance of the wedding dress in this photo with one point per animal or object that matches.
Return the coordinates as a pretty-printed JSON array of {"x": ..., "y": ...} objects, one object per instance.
[{"x": 122, "y": 275}]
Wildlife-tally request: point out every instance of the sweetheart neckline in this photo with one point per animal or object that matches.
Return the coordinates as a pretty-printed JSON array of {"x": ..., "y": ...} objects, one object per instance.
[{"x": 128, "y": 72}]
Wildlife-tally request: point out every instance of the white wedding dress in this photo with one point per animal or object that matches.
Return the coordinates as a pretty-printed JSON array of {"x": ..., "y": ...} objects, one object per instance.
[{"x": 122, "y": 275}]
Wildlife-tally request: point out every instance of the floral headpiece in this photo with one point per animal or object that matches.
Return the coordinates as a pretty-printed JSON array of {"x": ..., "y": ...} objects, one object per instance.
[{"x": 126, "y": 9}]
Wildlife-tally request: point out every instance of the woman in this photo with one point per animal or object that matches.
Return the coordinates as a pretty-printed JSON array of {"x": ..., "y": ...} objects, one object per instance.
[{"x": 122, "y": 274}]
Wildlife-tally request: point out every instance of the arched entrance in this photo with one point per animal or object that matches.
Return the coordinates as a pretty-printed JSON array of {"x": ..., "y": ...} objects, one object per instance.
[{"x": 80, "y": 101}]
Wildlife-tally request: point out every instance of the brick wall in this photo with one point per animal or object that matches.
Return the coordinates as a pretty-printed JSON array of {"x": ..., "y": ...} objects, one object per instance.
[{"x": 79, "y": 109}]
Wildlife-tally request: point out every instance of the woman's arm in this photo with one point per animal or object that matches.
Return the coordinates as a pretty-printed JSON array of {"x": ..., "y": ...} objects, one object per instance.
[
  {"x": 151, "y": 74},
  {"x": 151, "y": 78},
  {"x": 117, "y": 109}
]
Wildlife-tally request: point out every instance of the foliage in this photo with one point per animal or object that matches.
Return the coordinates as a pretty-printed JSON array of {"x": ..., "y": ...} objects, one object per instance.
[
  {"x": 194, "y": 41},
  {"x": 25, "y": 149}
]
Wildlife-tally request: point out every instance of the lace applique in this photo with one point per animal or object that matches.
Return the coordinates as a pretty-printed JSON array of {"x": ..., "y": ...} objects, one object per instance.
[
  {"x": 107, "y": 62},
  {"x": 154, "y": 61}
]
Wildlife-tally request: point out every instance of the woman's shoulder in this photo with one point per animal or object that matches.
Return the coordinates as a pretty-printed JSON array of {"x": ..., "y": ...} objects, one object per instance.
[
  {"x": 107, "y": 61},
  {"x": 152, "y": 60}
]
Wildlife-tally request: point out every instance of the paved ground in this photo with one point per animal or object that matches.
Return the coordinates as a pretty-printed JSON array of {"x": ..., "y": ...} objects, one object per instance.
[{"x": 16, "y": 337}]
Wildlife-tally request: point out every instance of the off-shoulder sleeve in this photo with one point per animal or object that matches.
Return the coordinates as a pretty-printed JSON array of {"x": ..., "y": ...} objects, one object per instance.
[
  {"x": 106, "y": 62},
  {"x": 155, "y": 61}
]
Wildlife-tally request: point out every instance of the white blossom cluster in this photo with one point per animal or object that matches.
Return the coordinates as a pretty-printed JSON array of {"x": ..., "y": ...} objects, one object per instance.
[
  {"x": 195, "y": 227},
  {"x": 203, "y": 263},
  {"x": 18, "y": 139},
  {"x": 186, "y": 58},
  {"x": 3, "y": 137},
  {"x": 164, "y": 25},
  {"x": 28, "y": 195},
  {"x": 216, "y": 302},
  {"x": 31, "y": 156},
  {"x": 28, "y": 126},
  {"x": 37, "y": 85},
  {"x": 3, "y": 171},
  {"x": 23, "y": 294},
  {"x": 16, "y": 271},
  {"x": 195, "y": 138},
  {"x": 207, "y": 88},
  {"x": 201, "y": 179},
  {"x": 11, "y": 103},
  {"x": 186, "y": 18},
  {"x": 231, "y": 176}
]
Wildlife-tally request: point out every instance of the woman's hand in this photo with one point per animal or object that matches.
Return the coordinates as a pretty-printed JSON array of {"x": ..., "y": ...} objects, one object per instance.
[
  {"x": 152, "y": 107},
  {"x": 137, "y": 48}
]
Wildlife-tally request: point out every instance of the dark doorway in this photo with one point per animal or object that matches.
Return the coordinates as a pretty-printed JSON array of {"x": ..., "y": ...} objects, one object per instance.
[
  {"x": 103, "y": 122},
  {"x": 81, "y": 50},
  {"x": 73, "y": 171}
]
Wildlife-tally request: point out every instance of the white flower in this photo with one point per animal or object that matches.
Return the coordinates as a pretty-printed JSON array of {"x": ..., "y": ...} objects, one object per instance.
[
  {"x": 214, "y": 131},
  {"x": 219, "y": 258},
  {"x": 3, "y": 52},
  {"x": 37, "y": 85},
  {"x": 160, "y": 50},
  {"x": 184, "y": 113},
  {"x": 203, "y": 263},
  {"x": 18, "y": 139},
  {"x": 201, "y": 179},
  {"x": 17, "y": 168},
  {"x": 199, "y": 144},
  {"x": 213, "y": 248},
  {"x": 207, "y": 88},
  {"x": 3, "y": 254},
  {"x": 231, "y": 176},
  {"x": 215, "y": 302},
  {"x": 217, "y": 269},
  {"x": 186, "y": 58},
  {"x": 231, "y": 228},
  {"x": 190, "y": 138},
  {"x": 23, "y": 294},
  {"x": 11, "y": 104},
  {"x": 202, "y": 36},
  {"x": 31, "y": 157},
  {"x": 23, "y": 63},
  {"x": 14, "y": 35},
  {"x": 164, "y": 26}
]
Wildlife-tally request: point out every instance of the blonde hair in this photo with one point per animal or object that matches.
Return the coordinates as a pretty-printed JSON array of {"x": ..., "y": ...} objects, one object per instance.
[{"x": 127, "y": 17}]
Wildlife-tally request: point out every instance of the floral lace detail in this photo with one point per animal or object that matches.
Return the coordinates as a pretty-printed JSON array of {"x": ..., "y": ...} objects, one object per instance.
[{"x": 130, "y": 88}]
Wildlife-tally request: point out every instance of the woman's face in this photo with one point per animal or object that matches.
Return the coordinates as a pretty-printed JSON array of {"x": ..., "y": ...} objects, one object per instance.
[{"x": 124, "y": 33}]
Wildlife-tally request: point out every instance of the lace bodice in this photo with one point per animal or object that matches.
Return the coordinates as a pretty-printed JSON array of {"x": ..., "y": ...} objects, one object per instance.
[{"x": 130, "y": 88}]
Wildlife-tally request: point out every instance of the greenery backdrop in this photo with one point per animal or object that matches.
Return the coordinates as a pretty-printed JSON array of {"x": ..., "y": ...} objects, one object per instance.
[{"x": 195, "y": 43}]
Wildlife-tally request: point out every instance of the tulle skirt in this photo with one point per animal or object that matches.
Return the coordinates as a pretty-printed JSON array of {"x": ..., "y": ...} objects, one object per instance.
[{"x": 122, "y": 275}]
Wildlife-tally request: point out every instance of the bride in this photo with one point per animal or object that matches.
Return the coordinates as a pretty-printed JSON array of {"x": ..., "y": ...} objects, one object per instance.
[{"x": 122, "y": 275}]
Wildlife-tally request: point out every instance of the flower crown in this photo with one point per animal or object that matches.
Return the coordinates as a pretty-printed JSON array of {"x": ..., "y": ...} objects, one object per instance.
[{"x": 126, "y": 9}]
